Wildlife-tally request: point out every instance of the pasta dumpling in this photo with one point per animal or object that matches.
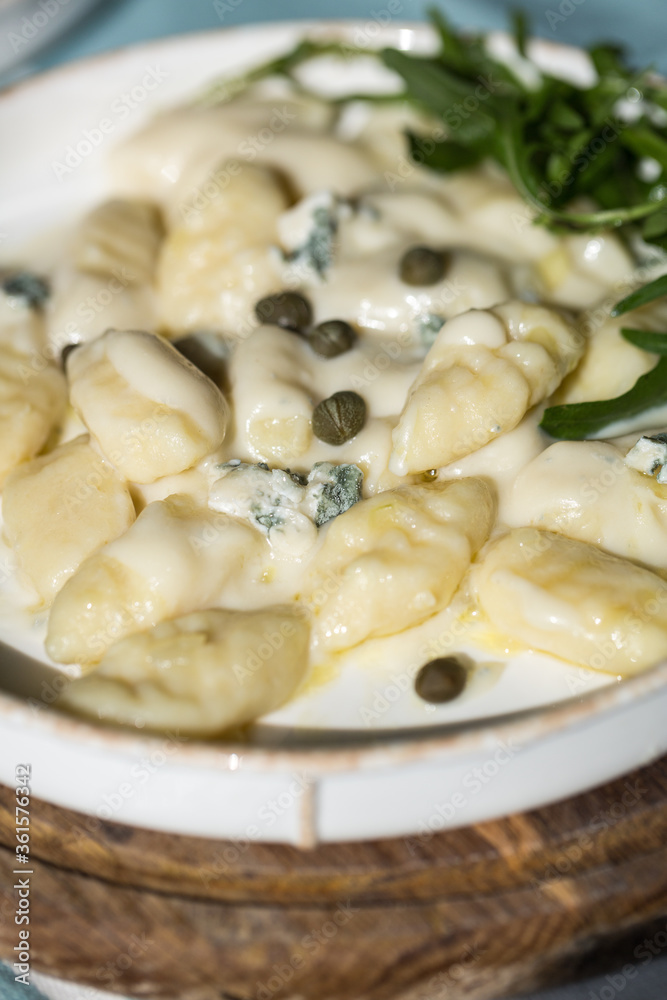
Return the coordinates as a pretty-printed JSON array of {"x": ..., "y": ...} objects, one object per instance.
[
  {"x": 22, "y": 324},
  {"x": 582, "y": 269},
  {"x": 32, "y": 403},
  {"x": 573, "y": 600},
  {"x": 151, "y": 411},
  {"x": 217, "y": 262},
  {"x": 108, "y": 279},
  {"x": 484, "y": 371},
  {"x": 120, "y": 235},
  {"x": 611, "y": 364},
  {"x": 397, "y": 558},
  {"x": 271, "y": 379},
  {"x": 585, "y": 490},
  {"x": 175, "y": 558},
  {"x": 200, "y": 673},
  {"x": 79, "y": 496}
]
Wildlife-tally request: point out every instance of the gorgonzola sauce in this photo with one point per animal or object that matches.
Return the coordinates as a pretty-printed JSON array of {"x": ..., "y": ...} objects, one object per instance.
[{"x": 347, "y": 474}]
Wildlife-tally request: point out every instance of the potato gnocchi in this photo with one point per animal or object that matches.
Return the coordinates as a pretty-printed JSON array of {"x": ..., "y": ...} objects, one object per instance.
[
  {"x": 82, "y": 499},
  {"x": 399, "y": 557},
  {"x": 151, "y": 412},
  {"x": 270, "y": 411},
  {"x": 107, "y": 279},
  {"x": 175, "y": 558},
  {"x": 486, "y": 369},
  {"x": 201, "y": 672},
  {"x": 574, "y": 600}
]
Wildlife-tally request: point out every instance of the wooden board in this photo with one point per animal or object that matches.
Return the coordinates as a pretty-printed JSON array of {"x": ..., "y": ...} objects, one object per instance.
[{"x": 479, "y": 912}]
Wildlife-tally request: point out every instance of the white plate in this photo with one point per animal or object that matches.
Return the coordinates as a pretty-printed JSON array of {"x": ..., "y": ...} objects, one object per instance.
[{"x": 319, "y": 769}]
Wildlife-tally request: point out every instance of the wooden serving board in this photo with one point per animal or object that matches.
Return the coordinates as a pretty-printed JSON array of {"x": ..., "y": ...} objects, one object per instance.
[{"x": 480, "y": 912}]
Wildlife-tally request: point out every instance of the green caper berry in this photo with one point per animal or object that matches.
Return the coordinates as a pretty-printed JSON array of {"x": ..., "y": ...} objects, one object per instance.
[
  {"x": 441, "y": 680},
  {"x": 423, "y": 266},
  {"x": 339, "y": 418},
  {"x": 331, "y": 338},
  {"x": 287, "y": 309}
]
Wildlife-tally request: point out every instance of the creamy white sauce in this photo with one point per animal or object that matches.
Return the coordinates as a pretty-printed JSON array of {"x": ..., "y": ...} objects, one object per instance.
[{"x": 182, "y": 161}]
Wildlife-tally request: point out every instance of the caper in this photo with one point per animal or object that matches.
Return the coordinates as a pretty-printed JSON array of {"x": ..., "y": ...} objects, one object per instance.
[
  {"x": 429, "y": 475},
  {"x": 440, "y": 680},
  {"x": 423, "y": 266},
  {"x": 287, "y": 309},
  {"x": 331, "y": 338},
  {"x": 338, "y": 418}
]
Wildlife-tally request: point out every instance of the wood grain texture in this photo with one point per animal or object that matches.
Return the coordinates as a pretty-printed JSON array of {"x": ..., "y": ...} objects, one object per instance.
[{"x": 480, "y": 912}]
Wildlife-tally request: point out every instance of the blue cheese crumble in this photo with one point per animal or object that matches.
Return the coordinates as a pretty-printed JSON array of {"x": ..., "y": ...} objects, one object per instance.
[
  {"x": 307, "y": 235},
  {"x": 285, "y": 506},
  {"x": 649, "y": 456},
  {"x": 269, "y": 499},
  {"x": 332, "y": 490}
]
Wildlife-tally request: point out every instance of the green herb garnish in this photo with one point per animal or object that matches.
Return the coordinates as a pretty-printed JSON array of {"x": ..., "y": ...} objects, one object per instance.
[
  {"x": 559, "y": 143},
  {"x": 575, "y": 421},
  {"x": 565, "y": 147},
  {"x": 656, "y": 343},
  {"x": 642, "y": 296}
]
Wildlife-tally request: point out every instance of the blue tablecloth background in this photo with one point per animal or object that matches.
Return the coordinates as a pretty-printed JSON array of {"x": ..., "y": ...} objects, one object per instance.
[{"x": 639, "y": 25}]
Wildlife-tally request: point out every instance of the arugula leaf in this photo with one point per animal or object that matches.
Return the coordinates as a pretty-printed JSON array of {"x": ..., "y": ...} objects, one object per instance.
[
  {"x": 646, "y": 141},
  {"x": 656, "y": 343},
  {"x": 439, "y": 90},
  {"x": 520, "y": 32},
  {"x": 607, "y": 59},
  {"x": 558, "y": 141},
  {"x": 575, "y": 421},
  {"x": 452, "y": 47},
  {"x": 654, "y": 229},
  {"x": 467, "y": 55},
  {"x": 444, "y": 156},
  {"x": 642, "y": 296}
]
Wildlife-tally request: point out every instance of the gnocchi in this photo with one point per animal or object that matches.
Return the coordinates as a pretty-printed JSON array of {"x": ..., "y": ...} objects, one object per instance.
[
  {"x": 270, "y": 375},
  {"x": 33, "y": 397},
  {"x": 398, "y": 558},
  {"x": 299, "y": 411},
  {"x": 485, "y": 370},
  {"x": 218, "y": 260},
  {"x": 574, "y": 600},
  {"x": 108, "y": 278},
  {"x": 586, "y": 490},
  {"x": 151, "y": 411},
  {"x": 201, "y": 673},
  {"x": 81, "y": 498},
  {"x": 175, "y": 558}
]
